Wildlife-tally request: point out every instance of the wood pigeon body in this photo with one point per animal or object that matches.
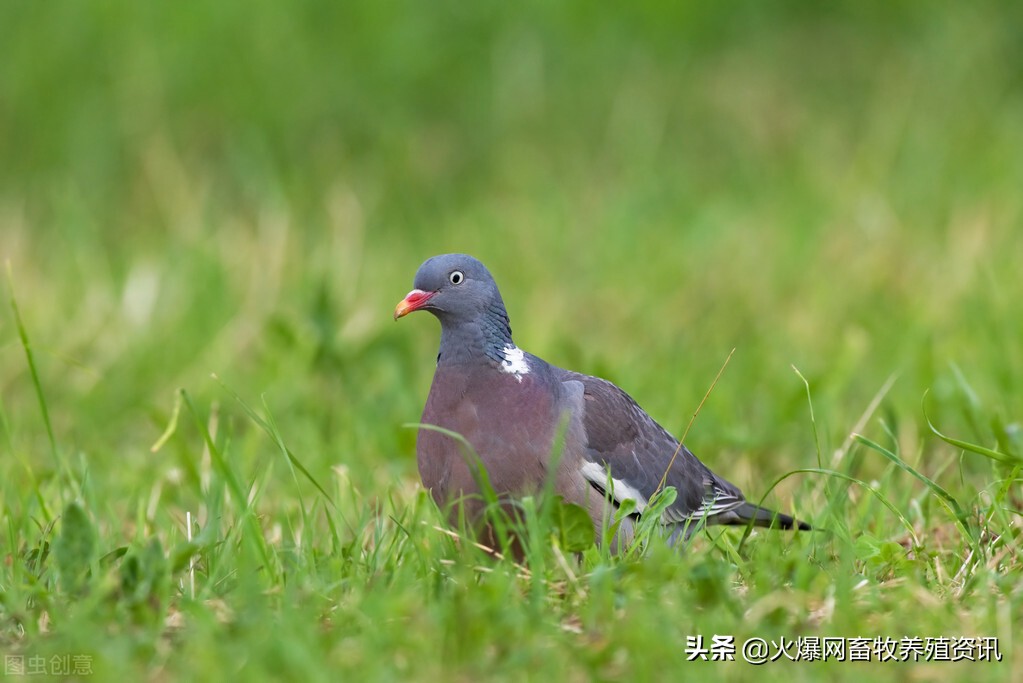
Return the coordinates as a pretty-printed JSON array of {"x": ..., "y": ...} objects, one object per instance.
[{"x": 509, "y": 405}]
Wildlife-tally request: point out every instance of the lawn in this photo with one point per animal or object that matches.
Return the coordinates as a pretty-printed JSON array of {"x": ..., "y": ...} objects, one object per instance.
[{"x": 209, "y": 211}]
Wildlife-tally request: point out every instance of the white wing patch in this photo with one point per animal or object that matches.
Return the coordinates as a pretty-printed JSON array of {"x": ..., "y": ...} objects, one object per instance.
[
  {"x": 620, "y": 491},
  {"x": 515, "y": 362},
  {"x": 721, "y": 503}
]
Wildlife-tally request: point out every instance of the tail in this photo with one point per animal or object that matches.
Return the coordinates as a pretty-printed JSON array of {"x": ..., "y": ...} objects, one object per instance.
[{"x": 766, "y": 518}]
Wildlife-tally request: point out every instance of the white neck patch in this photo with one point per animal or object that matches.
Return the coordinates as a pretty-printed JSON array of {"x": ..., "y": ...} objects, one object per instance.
[{"x": 515, "y": 362}]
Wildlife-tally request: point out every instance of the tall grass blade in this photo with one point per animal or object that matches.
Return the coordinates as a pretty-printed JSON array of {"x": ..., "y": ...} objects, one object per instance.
[
  {"x": 947, "y": 498},
  {"x": 34, "y": 372},
  {"x": 1004, "y": 458}
]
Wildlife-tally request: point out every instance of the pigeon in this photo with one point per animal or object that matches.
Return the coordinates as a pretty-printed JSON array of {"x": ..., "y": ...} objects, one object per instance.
[{"x": 512, "y": 407}]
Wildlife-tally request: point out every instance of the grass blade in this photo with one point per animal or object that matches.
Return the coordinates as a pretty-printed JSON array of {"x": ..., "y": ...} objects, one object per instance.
[
  {"x": 838, "y": 475},
  {"x": 938, "y": 490},
  {"x": 34, "y": 372},
  {"x": 271, "y": 429},
  {"x": 967, "y": 446}
]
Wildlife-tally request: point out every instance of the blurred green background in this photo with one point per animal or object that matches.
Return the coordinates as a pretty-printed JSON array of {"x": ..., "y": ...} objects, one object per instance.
[{"x": 247, "y": 189}]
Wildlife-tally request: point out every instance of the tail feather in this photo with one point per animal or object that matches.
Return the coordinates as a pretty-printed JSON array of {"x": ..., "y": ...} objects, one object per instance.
[{"x": 766, "y": 518}]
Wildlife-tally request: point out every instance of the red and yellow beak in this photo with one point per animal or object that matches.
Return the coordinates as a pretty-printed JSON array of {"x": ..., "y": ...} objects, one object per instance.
[{"x": 415, "y": 300}]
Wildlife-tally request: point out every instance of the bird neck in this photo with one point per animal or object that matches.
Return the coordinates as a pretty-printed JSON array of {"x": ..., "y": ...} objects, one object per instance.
[{"x": 487, "y": 336}]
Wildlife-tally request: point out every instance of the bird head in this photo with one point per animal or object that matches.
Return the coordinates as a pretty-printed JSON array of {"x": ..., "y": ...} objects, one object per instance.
[{"x": 454, "y": 287}]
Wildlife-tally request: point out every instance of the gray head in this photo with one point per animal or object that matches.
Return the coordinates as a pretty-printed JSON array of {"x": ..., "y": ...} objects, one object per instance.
[
  {"x": 460, "y": 291},
  {"x": 456, "y": 288}
]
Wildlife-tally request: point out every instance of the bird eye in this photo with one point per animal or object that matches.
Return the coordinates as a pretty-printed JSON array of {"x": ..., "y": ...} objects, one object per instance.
[{"x": 456, "y": 277}]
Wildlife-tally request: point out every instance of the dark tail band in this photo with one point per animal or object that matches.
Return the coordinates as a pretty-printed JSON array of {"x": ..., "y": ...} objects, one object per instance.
[{"x": 767, "y": 518}]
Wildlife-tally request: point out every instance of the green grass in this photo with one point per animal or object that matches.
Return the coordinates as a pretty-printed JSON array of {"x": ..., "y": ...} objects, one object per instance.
[{"x": 246, "y": 192}]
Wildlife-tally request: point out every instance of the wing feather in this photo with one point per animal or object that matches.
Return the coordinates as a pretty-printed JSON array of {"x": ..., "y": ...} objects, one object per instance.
[{"x": 628, "y": 449}]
